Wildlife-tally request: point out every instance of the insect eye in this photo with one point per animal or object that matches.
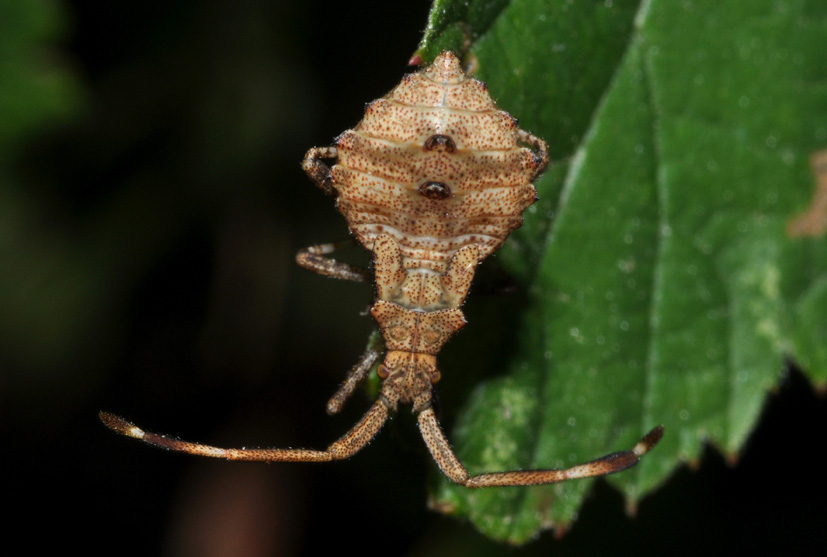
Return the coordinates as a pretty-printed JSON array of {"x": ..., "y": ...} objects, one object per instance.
[
  {"x": 435, "y": 190},
  {"x": 441, "y": 143}
]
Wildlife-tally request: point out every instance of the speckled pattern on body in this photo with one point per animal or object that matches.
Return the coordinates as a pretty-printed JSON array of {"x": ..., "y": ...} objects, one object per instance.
[
  {"x": 431, "y": 181},
  {"x": 436, "y": 127}
]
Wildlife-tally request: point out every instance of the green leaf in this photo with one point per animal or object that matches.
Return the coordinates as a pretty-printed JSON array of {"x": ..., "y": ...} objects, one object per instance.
[
  {"x": 455, "y": 25},
  {"x": 41, "y": 281},
  {"x": 665, "y": 287},
  {"x": 34, "y": 91}
]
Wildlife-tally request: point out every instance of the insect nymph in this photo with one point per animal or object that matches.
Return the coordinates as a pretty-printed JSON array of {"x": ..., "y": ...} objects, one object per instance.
[{"x": 431, "y": 181}]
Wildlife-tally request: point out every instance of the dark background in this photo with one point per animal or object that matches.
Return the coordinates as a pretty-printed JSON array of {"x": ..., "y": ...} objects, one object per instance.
[{"x": 175, "y": 203}]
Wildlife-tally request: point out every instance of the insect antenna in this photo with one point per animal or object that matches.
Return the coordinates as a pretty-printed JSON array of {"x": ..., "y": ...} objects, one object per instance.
[{"x": 349, "y": 444}]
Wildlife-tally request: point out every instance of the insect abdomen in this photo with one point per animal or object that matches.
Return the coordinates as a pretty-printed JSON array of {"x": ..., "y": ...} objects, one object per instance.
[{"x": 436, "y": 166}]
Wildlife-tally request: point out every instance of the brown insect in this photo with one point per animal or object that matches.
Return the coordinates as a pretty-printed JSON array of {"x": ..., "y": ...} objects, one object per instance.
[{"x": 431, "y": 181}]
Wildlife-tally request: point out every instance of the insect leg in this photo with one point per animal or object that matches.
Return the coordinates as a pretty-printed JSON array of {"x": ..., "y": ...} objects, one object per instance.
[
  {"x": 456, "y": 472},
  {"x": 458, "y": 276},
  {"x": 356, "y": 375},
  {"x": 346, "y": 446},
  {"x": 318, "y": 171},
  {"x": 314, "y": 259},
  {"x": 541, "y": 148}
]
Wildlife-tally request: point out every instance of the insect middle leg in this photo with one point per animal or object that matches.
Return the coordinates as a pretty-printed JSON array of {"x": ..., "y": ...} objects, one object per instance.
[
  {"x": 451, "y": 466},
  {"x": 314, "y": 258}
]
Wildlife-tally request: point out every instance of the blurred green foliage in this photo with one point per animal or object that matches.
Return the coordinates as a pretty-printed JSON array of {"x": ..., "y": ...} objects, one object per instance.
[{"x": 37, "y": 93}]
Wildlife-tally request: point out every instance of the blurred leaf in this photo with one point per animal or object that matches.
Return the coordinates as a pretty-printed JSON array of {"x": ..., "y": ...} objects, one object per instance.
[
  {"x": 33, "y": 89},
  {"x": 40, "y": 281},
  {"x": 667, "y": 289}
]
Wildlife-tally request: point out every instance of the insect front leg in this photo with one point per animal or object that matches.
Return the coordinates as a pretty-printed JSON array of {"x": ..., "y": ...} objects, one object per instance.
[
  {"x": 359, "y": 371},
  {"x": 451, "y": 466},
  {"x": 314, "y": 258}
]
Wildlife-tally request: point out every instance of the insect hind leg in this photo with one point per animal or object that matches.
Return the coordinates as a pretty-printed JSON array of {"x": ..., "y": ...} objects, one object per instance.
[
  {"x": 540, "y": 150},
  {"x": 318, "y": 171}
]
